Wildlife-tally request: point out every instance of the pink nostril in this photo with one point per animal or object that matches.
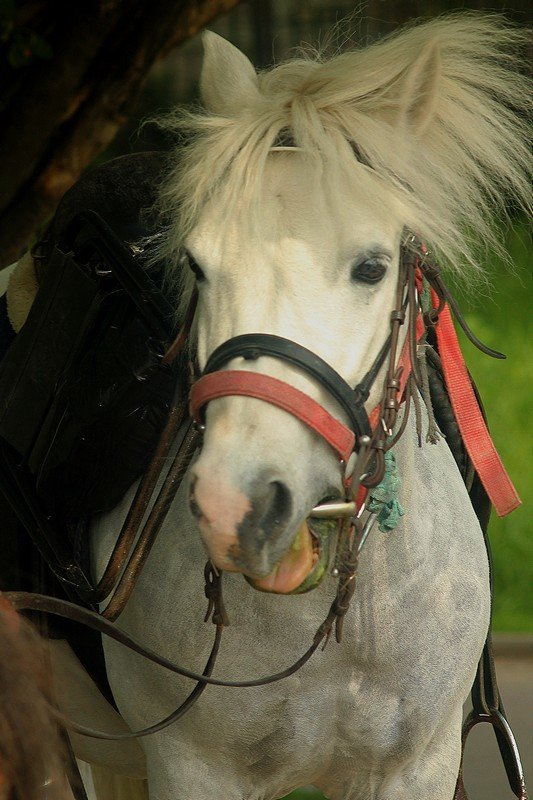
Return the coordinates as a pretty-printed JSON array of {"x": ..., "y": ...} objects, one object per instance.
[{"x": 217, "y": 505}]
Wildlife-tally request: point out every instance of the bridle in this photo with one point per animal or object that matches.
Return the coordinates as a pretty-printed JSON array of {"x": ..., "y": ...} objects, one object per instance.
[{"x": 360, "y": 447}]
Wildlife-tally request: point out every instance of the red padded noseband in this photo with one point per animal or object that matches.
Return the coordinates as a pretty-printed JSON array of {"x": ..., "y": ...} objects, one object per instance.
[{"x": 278, "y": 393}]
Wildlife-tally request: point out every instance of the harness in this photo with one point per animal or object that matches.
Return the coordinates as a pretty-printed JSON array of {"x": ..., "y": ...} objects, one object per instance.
[{"x": 108, "y": 275}]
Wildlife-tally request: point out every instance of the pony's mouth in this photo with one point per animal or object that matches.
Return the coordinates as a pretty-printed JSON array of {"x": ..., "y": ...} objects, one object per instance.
[{"x": 304, "y": 564}]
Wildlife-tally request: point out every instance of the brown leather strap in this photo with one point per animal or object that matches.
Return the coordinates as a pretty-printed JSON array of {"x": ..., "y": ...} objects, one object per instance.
[
  {"x": 153, "y": 525},
  {"x": 29, "y": 601},
  {"x": 138, "y": 508}
]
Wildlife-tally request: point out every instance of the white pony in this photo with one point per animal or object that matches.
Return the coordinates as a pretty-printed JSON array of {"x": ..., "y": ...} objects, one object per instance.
[{"x": 289, "y": 203}]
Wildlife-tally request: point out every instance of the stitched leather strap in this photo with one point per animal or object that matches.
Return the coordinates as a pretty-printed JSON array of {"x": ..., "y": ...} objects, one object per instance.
[{"x": 278, "y": 393}]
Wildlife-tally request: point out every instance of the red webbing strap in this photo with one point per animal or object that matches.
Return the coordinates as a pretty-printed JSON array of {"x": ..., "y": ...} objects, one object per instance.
[
  {"x": 476, "y": 437},
  {"x": 278, "y": 393}
]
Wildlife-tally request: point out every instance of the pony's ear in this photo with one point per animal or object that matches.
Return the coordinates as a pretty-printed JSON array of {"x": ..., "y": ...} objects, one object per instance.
[
  {"x": 228, "y": 81},
  {"x": 419, "y": 91}
]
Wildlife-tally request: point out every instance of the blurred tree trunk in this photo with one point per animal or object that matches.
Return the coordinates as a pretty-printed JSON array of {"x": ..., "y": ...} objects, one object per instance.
[{"x": 69, "y": 76}]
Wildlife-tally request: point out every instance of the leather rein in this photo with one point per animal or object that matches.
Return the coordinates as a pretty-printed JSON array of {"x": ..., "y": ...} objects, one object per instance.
[{"x": 360, "y": 448}]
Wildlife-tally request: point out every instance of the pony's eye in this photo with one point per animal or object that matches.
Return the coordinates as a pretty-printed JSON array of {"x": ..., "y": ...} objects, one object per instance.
[
  {"x": 194, "y": 267},
  {"x": 369, "y": 271}
]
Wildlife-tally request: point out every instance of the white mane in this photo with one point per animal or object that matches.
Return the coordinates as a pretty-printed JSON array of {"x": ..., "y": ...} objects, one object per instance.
[{"x": 435, "y": 111}]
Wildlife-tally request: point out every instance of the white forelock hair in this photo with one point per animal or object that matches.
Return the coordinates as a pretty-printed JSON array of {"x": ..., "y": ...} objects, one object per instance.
[{"x": 451, "y": 172}]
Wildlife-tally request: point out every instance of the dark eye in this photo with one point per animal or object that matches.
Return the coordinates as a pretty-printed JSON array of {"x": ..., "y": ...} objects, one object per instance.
[
  {"x": 194, "y": 266},
  {"x": 369, "y": 271}
]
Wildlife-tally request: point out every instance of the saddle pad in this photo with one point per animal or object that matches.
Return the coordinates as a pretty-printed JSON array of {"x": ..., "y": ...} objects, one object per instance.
[{"x": 84, "y": 394}]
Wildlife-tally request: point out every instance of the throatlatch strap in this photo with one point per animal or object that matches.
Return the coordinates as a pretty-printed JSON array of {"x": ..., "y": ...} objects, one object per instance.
[
  {"x": 278, "y": 393},
  {"x": 476, "y": 436}
]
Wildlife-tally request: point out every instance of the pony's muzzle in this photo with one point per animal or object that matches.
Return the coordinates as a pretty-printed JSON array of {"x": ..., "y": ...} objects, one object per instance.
[
  {"x": 243, "y": 531},
  {"x": 270, "y": 512}
]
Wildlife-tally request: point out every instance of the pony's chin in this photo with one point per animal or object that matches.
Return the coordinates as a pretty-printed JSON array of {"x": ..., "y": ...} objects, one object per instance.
[{"x": 302, "y": 567}]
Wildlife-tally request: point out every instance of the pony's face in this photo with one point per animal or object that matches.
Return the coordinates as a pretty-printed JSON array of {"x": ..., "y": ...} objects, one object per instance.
[
  {"x": 319, "y": 264},
  {"x": 321, "y": 271}
]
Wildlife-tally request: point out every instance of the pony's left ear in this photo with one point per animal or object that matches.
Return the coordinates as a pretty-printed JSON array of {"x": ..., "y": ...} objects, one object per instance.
[
  {"x": 228, "y": 81},
  {"x": 419, "y": 92}
]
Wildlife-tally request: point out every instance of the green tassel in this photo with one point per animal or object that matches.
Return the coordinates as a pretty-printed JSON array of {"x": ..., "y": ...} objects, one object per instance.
[{"x": 383, "y": 500}]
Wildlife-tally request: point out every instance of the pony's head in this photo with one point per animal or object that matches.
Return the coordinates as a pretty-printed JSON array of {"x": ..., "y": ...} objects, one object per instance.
[{"x": 291, "y": 199}]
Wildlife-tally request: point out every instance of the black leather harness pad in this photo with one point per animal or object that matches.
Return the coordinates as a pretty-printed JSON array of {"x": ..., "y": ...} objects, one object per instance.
[{"x": 83, "y": 392}]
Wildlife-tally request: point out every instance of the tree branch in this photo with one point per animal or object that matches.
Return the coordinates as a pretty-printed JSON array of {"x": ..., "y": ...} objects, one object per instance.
[{"x": 55, "y": 128}]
